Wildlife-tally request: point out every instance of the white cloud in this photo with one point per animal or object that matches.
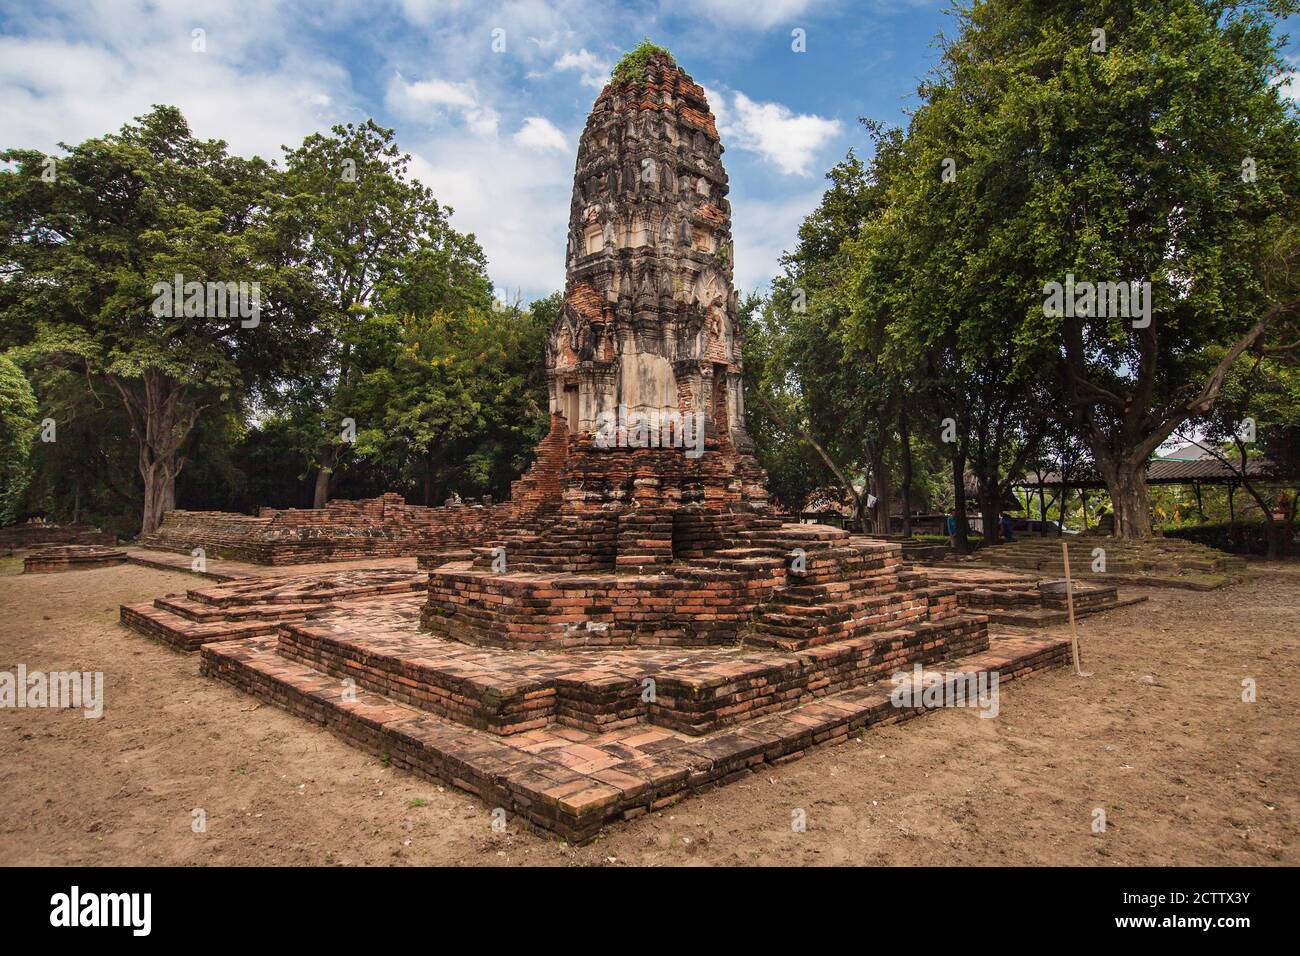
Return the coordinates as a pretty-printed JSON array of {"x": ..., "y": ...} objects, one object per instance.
[
  {"x": 595, "y": 70},
  {"x": 762, "y": 230},
  {"x": 541, "y": 135},
  {"x": 746, "y": 13},
  {"x": 514, "y": 199},
  {"x": 438, "y": 92},
  {"x": 788, "y": 140},
  {"x": 72, "y": 71},
  {"x": 429, "y": 101}
]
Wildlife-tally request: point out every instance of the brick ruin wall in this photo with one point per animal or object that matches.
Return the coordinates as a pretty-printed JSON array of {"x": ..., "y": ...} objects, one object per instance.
[
  {"x": 31, "y": 534},
  {"x": 343, "y": 530}
]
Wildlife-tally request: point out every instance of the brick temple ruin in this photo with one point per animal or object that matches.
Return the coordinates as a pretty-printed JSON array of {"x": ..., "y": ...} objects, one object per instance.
[
  {"x": 638, "y": 623},
  {"x": 341, "y": 531}
]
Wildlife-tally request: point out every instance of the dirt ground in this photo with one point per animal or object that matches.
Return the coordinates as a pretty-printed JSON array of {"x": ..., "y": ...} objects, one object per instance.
[{"x": 1158, "y": 737}]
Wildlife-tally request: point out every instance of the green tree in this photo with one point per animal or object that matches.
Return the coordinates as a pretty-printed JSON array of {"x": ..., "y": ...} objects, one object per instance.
[
  {"x": 1257, "y": 419},
  {"x": 371, "y": 239},
  {"x": 91, "y": 243},
  {"x": 18, "y": 429},
  {"x": 1112, "y": 142},
  {"x": 456, "y": 398},
  {"x": 828, "y": 354}
]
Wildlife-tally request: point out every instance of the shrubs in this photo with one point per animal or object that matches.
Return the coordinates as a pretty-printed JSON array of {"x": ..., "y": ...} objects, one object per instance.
[
  {"x": 634, "y": 62},
  {"x": 1239, "y": 537}
]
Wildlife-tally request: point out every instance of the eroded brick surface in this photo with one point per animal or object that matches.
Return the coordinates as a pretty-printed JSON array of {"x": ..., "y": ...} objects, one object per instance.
[{"x": 71, "y": 557}]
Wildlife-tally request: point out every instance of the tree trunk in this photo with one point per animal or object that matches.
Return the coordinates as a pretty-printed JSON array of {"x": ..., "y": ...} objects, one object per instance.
[
  {"x": 961, "y": 542},
  {"x": 880, "y": 488},
  {"x": 159, "y": 474},
  {"x": 991, "y": 510},
  {"x": 1272, "y": 538},
  {"x": 905, "y": 440},
  {"x": 161, "y": 427},
  {"x": 428, "y": 479},
  {"x": 325, "y": 476},
  {"x": 1127, "y": 483}
]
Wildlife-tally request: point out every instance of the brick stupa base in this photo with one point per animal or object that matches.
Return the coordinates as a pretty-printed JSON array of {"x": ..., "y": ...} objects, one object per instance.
[
  {"x": 572, "y": 740},
  {"x": 643, "y": 628}
]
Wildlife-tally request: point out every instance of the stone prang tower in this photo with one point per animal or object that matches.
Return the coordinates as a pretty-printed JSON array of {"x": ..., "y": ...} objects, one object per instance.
[{"x": 648, "y": 329}]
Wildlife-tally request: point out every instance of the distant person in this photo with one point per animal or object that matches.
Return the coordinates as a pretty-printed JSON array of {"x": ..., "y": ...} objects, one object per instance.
[
  {"x": 1006, "y": 529},
  {"x": 952, "y": 529},
  {"x": 1105, "y": 522}
]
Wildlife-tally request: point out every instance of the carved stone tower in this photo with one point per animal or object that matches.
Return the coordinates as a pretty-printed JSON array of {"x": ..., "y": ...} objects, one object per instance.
[{"x": 648, "y": 327}]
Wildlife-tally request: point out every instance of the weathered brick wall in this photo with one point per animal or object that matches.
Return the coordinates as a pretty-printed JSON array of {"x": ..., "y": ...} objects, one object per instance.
[
  {"x": 71, "y": 557},
  {"x": 30, "y": 535},
  {"x": 343, "y": 530},
  {"x": 690, "y": 607}
]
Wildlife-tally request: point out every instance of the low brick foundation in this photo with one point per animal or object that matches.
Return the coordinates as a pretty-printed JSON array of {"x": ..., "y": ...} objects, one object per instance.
[
  {"x": 572, "y": 781},
  {"x": 71, "y": 557},
  {"x": 248, "y": 607},
  {"x": 1025, "y": 600},
  {"x": 1154, "y": 562}
]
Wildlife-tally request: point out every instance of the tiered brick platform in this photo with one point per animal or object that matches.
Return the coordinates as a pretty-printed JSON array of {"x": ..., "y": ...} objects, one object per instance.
[
  {"x": 1025, "y": 600},
  {"x": 246, "y": 607},
  {"x": 1155, "y": 562},
  {"x": 341, "y": 531},
  {"x": 572, "y": 740},
  {"x": 72, "y": 557}
]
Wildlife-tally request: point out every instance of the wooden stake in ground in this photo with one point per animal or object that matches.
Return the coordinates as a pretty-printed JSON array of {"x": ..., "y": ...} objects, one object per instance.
[{"x": 1069, "y": 603}]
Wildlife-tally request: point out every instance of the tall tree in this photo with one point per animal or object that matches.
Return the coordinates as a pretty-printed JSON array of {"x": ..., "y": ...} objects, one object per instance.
[
  {"x": 458, "y": 398},
  {"x": 92, "y": 243},
  {"x": 18, "y": 427},
  {"x": 1119, "y": 143},
  {"x": 363, "y": 230},
  {"x": 833, "y": 342}
]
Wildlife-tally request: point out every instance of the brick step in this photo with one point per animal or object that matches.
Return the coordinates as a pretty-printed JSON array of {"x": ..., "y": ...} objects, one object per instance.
[
  {"x": 696, "y": 692},
  {"x": 819, "y": 594},
  {"x": 571, "y": 782},
  {"x": 187, "y": 625},
  {"x": 784, "y": 637},
  {"x": 196, "y": 611},
  {"x": 778, "y": 613},
  {"x": 185, "y": 634}
]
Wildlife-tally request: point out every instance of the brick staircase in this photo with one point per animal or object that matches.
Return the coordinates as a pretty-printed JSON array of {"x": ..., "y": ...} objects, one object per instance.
[
  {"x": 576, "y": 740},
  {"x": 246, "y": 608}
]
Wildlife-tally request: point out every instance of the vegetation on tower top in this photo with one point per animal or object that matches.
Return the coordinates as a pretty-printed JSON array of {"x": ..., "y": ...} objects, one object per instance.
[{"x": 634, "y": 62}]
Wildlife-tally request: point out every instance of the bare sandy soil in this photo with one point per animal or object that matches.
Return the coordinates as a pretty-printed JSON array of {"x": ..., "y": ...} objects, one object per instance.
[{"x": 1159, "y": 738}]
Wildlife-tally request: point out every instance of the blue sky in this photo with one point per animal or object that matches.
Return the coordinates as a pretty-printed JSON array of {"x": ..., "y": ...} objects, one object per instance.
[{"x": 492, "y": 131}]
